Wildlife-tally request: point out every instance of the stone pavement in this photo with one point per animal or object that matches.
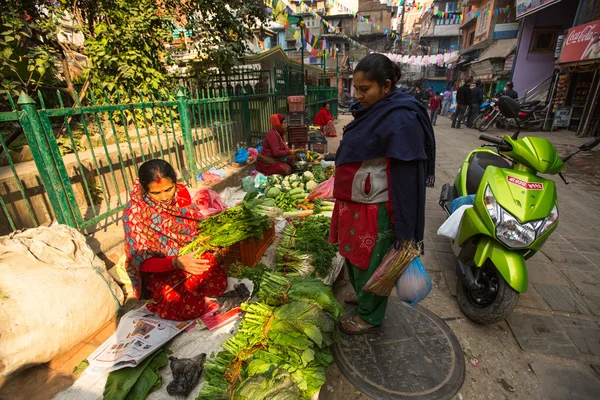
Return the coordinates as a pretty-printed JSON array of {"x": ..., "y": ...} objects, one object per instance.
[{"x": 549, "y": 348}]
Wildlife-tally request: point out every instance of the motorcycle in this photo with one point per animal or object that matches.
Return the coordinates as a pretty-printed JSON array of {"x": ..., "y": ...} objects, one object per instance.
[
  {"x": 513, "y": 213},
  {"x": 485, "y": 108},
  {"x": 530, "y": 116}
]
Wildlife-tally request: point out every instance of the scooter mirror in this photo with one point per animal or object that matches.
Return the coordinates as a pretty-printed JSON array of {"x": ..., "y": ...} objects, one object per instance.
[{"x": 590, "y": 144}]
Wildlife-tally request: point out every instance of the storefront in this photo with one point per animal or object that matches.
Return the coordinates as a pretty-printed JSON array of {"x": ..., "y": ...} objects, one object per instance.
[
  {"x": 494, "y": 65},
  {"x": 576, "y": 91}
]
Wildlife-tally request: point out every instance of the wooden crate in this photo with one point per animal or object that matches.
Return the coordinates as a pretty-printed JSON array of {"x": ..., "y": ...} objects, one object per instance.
[{"x": 249, "y": 251}]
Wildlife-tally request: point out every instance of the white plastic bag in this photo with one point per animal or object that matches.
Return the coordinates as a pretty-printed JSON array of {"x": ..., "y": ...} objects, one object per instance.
[
  {"x": 449, "y": 229},
  {"x": 414, "y": 283}
]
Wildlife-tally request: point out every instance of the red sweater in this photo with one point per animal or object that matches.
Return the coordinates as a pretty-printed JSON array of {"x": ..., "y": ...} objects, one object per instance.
[
  {"x": 274, "y": 146},
  {"x": 435, "y": 103}
]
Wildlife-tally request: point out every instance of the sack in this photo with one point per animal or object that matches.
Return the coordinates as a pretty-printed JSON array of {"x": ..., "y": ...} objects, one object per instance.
[
  {"x": 449, "y": 229},
  {"x": 414, "y": 284},
  {"x": 54, "y": 294},
  {"x": 324, "y": 190}
]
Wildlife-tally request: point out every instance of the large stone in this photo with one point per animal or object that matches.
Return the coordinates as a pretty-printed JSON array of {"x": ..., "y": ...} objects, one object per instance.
[
  {"x": 541, "y": 334},
  {"x": 546, "y": 273},
  {"x": 562, "y": 383},
  {"x": 584, "y": 333},
  {"x": 568, "y": 259},
  {"x": 564, "y": 299},
  {"x": 532, "y": 299}
]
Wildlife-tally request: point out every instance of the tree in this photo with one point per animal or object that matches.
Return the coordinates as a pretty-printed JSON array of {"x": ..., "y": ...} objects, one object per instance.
[{"x": 124, "y": 40}]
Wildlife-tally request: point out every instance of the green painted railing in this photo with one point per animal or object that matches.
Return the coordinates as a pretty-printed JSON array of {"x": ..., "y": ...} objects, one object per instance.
[{"x": 86, "y": 156}]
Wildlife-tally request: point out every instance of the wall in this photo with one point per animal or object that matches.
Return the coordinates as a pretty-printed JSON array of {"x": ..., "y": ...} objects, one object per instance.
[{"x": 532, "y": 69}]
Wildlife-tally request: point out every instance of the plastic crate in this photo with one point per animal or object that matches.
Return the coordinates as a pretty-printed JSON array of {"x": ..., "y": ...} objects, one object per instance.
[
  {"x": 297, "y": 134},
  {"x": 296, "y": 119},
  {"x": 318, "y": 144},
  {"x": 249, "y": 251},
  {"x": 296, "y": 103}
]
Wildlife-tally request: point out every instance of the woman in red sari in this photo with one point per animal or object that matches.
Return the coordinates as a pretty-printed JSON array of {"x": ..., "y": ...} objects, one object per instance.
[
  {"x": 275, "y": 157},
  {"x": 325, "y": 121},
  {"x": 159, "y": 220}
]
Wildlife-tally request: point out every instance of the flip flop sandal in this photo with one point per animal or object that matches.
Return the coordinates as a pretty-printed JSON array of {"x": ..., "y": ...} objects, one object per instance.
[
  {"x": 353, "y": 300},
  {"x": 362, "y": 329}
]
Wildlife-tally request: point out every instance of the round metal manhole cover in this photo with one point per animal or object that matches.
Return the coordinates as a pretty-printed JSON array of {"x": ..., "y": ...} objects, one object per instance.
[{"x": 414, "y": 356}]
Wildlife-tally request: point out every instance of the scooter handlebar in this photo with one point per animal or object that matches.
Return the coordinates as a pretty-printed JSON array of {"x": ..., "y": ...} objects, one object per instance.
[{"x": 500, "y": 143}]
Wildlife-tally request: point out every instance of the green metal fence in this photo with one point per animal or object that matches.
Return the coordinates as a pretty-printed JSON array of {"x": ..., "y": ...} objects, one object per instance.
[{"x": 86, "y": 156}]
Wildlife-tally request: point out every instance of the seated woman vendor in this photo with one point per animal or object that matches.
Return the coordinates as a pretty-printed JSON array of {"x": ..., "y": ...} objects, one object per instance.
[
  {"x": 159, "y": 220},
  {"x": 324, "y": 120},
  {"x": 276, "y": 157}
]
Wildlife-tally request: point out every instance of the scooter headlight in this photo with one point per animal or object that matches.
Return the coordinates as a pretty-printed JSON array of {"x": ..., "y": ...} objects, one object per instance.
[
  {"x": 550, "y": 221},
  {"x": 508, "y": 229}
]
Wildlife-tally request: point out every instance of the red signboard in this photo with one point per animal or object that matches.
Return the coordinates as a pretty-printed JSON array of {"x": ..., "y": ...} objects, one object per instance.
[
  {"x": 582, "y": 43},
  {"x": 526, "y": 185}
]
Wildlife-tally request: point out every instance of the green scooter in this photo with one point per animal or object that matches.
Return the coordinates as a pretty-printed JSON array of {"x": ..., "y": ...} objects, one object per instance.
[{"x": 514, "y": 212}]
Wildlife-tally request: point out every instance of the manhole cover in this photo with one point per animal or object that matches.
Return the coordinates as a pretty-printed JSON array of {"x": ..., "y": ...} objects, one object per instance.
[{"x": 414, "y": 356}]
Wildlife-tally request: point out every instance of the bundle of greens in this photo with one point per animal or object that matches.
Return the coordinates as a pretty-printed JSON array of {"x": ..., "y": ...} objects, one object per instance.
[
  {"x": 231, "y": 226},
  {"x": 319, "y": 173},
  {"x": 312, "y": 237},
  {"x": 294, "y": 262},
  {"x": 255, "y": 274},
  {"x": 276, "y": 290},
  {"x": 136, "y": 383},
  {"x": 279, "y": 352}
]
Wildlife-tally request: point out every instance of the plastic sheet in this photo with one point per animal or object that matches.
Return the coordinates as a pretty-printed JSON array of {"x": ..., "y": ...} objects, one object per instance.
[{"x": 324, "y": 190}]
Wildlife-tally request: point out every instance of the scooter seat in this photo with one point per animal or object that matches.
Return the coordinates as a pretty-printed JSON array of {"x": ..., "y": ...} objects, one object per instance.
[
  {"x": 530, "y": 103},
  {"x": 477, "y": 166}
]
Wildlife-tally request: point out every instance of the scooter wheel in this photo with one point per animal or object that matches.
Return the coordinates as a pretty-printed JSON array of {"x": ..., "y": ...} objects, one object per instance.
[{"x": 492, "y": 301}]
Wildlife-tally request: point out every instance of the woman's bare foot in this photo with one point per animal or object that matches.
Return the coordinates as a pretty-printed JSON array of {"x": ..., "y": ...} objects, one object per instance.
[{"x": 351, "y": 299}]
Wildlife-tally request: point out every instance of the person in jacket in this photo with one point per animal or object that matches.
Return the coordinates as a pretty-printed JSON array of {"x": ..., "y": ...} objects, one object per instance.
[
  {"x": 463, "y": 100},
  {"x": 435, "y": 105},
  {"x": 275, "y": 157},
  {"x": 446, "y": 102},
  {"x": 508, "y": 91},
  {"x": 427, "y": 95},
  {"x": 379, "y": 190},
  {"x": 324, "y": 120},
  {"x": 159, "y": 220},
  {"x": 476, "y": 101}
]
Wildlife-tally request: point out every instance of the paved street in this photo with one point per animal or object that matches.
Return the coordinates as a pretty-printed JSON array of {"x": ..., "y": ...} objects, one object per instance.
[{"x": 550, "y": 347}]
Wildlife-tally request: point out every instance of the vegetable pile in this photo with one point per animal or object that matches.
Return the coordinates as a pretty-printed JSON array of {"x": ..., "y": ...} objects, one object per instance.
[
  {"x": 231, "y": 226},
  {"x": 281, "y": 348},
  {"x": 304, "y": 247}
]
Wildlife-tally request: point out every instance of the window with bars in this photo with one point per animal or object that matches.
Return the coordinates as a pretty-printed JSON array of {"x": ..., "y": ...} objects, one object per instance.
[{"x": 483, "y": 20}]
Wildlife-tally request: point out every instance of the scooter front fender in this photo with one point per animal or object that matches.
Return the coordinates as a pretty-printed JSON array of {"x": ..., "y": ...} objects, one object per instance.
[{"x": 510, "y": 264}]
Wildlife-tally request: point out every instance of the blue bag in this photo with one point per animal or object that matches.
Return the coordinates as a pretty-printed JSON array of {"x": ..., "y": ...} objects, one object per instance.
[
  {"x": 241, "y": 156},
  {"x": 461, "y": 201},
  {"x": 414, "y": 283}
]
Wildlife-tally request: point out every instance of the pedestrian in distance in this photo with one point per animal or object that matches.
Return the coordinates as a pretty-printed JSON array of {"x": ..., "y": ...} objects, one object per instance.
[
  {"x": 508, "y": 91},
  {"x": 418, "y": 94},
  {"x": 427, "y": 95},
  {"x": 435, "y": 105},
  {"x": 387, "y": 208},
  {"x": 463, "y": 100},
  {"x": 476, "y": 101},
  {"x": 446, "y": 102}
]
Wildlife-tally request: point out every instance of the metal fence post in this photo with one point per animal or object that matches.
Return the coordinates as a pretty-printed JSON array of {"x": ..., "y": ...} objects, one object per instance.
[
  {"x": 44, "y": 161},
  {"x": 186, "y": 130},
  {"x": 245, "y": 103}
]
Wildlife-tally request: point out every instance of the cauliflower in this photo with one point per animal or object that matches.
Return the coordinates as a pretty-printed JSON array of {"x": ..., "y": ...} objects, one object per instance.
[
  {"x": 308, "y": 176},
  {"x": 285, "y": 185},
  {"x": 310, "y": 185}
]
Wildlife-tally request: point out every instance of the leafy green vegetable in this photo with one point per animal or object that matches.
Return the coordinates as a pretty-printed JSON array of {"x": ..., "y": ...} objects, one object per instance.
[
  {"x": 312, "y": 238},
  {"x": 275, "y": 384},
  {"x": 255, "y": 274},
  {"x": 319, "y": 173},
  {"x": 136, "y": 383},
  {"x": 81, "y": 367}
]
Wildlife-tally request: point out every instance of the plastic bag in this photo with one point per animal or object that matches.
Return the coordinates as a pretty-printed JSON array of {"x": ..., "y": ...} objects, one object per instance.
[
  {"x": 253, "y": 152},
  {"x": 248, "y": 184},
  {"x": 414, "y": 283},
  {"x": 210, "y": 177},
  {"x": 241, "y": 156},
  {"x": 260, "y": 180},
  {"x": 209, "y": 202},
  {"x": 461, "y": 201},
  {"x": 449, "y": 229},
  {"x": 391, "y": 268},
  {"x": 324, "y": 190}
]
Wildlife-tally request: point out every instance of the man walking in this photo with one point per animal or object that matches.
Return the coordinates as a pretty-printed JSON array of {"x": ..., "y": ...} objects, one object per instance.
[
  {"x": 463, "y": 100},
  {"x": 476, "y": 100},
  {"x": 435, "y": 104},
  {"x": 446, "y": 102}
]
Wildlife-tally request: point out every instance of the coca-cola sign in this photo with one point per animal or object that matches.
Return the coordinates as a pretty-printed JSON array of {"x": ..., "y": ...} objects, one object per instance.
[{"x": 582, "y": 43}]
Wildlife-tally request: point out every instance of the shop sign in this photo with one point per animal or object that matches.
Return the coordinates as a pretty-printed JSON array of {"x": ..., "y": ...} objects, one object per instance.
[
  {"x": 508, "y": 63},
  {"x": 527, "y": 7},
  {"x": 506, "y": 31},
  {"x": 581, "y": 43},
  {"x": 562, "y": 117},
  {"x": 559, "y": 45}
]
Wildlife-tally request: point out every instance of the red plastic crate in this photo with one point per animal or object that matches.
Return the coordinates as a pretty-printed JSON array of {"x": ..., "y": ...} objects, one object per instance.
[
  {"x": 295, "y": 103},
  {"x": 297, "y": 134},
  {"x": 248, "y": 251}
]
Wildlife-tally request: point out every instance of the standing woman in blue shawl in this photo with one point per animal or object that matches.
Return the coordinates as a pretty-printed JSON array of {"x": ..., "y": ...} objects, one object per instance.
[{"x": 385, "y": 160}]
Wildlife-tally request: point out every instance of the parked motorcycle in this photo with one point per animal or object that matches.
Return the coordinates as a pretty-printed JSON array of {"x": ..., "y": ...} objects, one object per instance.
[
  {"x": 486, "y": 108},
  {"x": 514, "y": 212},
  {"x": 530, "y": 117}
]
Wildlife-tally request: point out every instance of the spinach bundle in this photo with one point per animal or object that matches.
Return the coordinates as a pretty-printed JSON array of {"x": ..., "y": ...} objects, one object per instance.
[{"x": 312, "y": 237}]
